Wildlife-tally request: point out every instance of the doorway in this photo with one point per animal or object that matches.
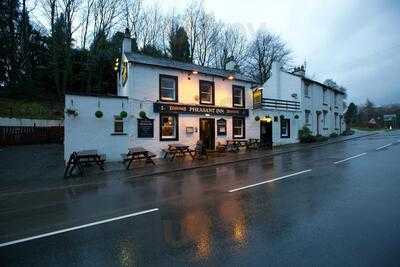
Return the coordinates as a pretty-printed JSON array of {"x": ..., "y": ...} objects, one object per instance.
[
  {"x": 266, "y": 133},
  {"x": 207, "y": 133},
  {"x": 318, "y": 123}
]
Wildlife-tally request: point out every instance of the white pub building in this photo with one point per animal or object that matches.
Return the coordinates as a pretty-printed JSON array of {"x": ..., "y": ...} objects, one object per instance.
[{"x": 162, "y": 101}]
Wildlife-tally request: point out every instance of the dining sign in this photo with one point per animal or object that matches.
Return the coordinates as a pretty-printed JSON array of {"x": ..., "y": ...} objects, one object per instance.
[{"x": 198, "y": 109}]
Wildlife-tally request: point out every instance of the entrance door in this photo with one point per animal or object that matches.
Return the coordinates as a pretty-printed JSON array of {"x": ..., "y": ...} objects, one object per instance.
[
  {"x": 207, "y": 133},
  {"x": 266, "y": 133},
  {"x": 318, "y": 130}
]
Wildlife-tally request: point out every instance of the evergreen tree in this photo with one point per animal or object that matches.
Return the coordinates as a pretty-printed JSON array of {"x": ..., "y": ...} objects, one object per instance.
[
  {"x": 179, "y": 47},
  {"x": 350, "y": 115}
]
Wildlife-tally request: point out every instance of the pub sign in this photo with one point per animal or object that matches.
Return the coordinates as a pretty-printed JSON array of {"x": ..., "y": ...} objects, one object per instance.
[{"x": 199, "y": 109}]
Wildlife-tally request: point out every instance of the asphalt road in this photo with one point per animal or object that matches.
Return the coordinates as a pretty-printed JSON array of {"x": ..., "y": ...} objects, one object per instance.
[{"x": 330, "y": 206}]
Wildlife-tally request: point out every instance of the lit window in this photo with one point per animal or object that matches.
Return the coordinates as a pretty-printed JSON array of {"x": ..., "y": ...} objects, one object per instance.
[
  {"x": 168, "y": 88},
  {"x": 118, "y": 124},
  {"x": 307, "y": 116},
  {"x": 238, "y": 128},
  {"x": 238, "y": 96},
  {"x": 285, "y": 128},
  {"x": 206, "y": 92},
  {"x": 168, "y": 127}
]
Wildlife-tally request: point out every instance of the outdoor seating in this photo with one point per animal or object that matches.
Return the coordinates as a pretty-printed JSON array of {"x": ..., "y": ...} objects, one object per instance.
[
  {"x": 221, "y": 148},
  {"x": 175, "y": 150},
  {"x": 253, "y": 144},
  {"x": 84, "y": 158},
  {"x": 138, "y": 153}
]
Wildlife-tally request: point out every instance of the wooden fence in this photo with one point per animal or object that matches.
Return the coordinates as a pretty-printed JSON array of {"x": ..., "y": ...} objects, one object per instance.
[{"x": 23, "y": 135}]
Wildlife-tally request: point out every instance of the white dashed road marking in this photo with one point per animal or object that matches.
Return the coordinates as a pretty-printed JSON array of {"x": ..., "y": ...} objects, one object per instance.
[
  {"x": 353, "y": 157},
  {"x": 382, "y": 147}
]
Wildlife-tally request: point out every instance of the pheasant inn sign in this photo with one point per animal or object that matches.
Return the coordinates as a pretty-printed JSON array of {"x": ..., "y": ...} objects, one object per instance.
[{"x": 199, "y": 109}]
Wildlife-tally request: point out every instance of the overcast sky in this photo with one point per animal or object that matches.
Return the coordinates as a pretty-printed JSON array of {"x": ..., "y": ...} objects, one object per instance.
[{"x": 356, "y": 43}]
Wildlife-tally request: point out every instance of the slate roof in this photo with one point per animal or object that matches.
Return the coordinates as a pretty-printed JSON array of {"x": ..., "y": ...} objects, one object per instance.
[{"x": 177, "y": 65}]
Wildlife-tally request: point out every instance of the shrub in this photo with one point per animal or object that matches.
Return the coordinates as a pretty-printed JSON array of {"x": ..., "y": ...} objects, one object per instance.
[
  {"x": 123, "y": 114},
  {"x": 142, "y": 114},
  {"x": 321, "y": 138},
  {"x": 305, "y": 135},
  {"x": 333, "y": 135},
  {"x": 98, "y": 114}
]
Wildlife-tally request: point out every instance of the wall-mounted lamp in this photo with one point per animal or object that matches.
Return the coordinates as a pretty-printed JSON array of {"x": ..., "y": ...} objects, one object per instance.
[
  {"x": 195, "y": 72},
  {"x": 231, "y": 77}
]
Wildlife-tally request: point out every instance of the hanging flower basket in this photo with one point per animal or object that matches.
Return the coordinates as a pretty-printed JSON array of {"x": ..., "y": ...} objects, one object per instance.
[
  {"x": 123, "y": 114},
  {"x": 256, "y": 118},
  {"x": 71, "y": 112},
  {"x": 142, "y": 114},
  {"x": 98, "y": 114},
  {"x": 296, "y": 116}
]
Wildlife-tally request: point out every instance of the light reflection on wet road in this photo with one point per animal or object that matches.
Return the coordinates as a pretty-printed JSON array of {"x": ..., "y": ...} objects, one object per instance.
[{"x": 343, "y": 214}]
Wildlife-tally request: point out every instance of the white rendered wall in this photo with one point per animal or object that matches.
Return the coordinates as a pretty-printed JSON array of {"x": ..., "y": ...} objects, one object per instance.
[{"x": 85, "y": 131}]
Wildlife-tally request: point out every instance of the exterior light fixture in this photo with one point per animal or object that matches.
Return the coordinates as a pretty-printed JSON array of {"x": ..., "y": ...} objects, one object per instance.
[
  {"x": 268, "y": 119},
  {"x": 195, "y": 72},
  {"x": 231, "y": 77},
  {"x": 207, "y": 115}
]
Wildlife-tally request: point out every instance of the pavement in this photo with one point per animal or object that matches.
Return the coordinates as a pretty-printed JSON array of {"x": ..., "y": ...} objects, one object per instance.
[
  {"x": 331, "y": 205},
  {"x": 41, "y": 167}
]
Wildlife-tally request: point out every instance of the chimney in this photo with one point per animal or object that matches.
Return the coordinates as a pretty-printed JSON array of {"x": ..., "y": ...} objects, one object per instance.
[
  {"x": 300, "y": 71},
  {"x": 127, "y": 42}
]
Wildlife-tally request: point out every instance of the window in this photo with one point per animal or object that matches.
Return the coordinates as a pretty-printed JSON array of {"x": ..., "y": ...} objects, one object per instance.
[
  {"x": 238, "y": 128},
  {"x": 118, "y": 125},
  {"x": 307, "y": 116},
  {"x": 168, "y": 88},
  {"x": 324, "y": 92},
  {"x": 238, "y": 96},
  {"x": 168, "y": 127},
  {"x": 306, "y": 91},
  {"x": 206, "y": 92},
  {"x": 335, "y": 99},
  {"x": 325, "y": 113},
  {"x": 336, "y": 120},
  {"x": 285, "y": 128}
]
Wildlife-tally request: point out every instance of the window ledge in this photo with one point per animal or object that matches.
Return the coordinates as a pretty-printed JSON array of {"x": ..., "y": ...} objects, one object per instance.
[
  {"x": 336, "y": 107},
  {"x": 119, "y": 134},
  {"x": 285, "y": 137},
  {"x": 325, "y": 104}
]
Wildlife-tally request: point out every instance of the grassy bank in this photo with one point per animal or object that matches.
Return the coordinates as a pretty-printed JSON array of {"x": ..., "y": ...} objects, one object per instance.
[{"x": 13, "y": 108}]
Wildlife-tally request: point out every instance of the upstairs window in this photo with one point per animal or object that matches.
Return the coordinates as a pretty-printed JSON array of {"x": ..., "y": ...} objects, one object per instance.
[
  {"x": 335, "y": 99},
  {"x": 306, "y": 91},
  {"x": 168, "y": 88},
  {"x": 206, "y": 92},
  {"x": 324, "y": 96},
  {"x": 238, "y": 96}
]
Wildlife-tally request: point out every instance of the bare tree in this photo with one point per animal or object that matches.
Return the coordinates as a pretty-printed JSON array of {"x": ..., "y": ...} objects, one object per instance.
[
  {"x": 106, "y": 15},
  {"x": 85, "y": 20},
  {"x": 193, "y": 14},
  {"x": 265, "y": 49},
  {"x": 231, "y": 47},
  {"x": 209, "y": 33}
]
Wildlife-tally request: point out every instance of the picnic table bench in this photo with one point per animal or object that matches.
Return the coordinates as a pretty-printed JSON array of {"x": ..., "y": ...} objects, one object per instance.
[
  {"x": 83, "y": 158},
  {"x": 137, "y": 153}
]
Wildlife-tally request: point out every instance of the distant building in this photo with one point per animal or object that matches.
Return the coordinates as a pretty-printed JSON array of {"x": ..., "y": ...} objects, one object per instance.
[{"x": 390, "y": 121}]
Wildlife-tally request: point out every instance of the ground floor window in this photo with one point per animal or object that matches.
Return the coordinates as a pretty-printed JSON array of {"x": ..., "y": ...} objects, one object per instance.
[
  {"x": 169, "y": 127},
  {"x": 238, "y": 128},
  {"x": 336, "y": 120},
  {"x": 285, "y": 128},
  {"x": 307, "y": 116},
  {"x": 325, "y": 118},
  {"x": 118, "y": 125}
]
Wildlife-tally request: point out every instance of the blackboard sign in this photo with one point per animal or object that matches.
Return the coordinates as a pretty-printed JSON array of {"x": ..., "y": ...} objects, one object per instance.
[
  {"x": 145, "y": 128},
  {"x": 221, "y": 127}
]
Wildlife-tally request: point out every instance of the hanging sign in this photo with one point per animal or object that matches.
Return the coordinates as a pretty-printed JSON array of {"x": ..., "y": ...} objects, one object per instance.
[{"x": 257, "y": 98}]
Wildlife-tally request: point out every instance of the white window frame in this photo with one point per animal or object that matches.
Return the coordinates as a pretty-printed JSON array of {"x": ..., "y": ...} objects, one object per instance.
[
  {"x": 175, "y": 127},
  {"x": 241, "y": 127},
  {"x": 241, "y": 89},
  {"x": 173, "y": 89}
]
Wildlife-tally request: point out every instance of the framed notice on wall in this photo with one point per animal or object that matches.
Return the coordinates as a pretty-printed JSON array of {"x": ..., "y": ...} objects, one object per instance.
[
  {"x": 221, "y": 127},
  {"x": 145, "y": 128}
]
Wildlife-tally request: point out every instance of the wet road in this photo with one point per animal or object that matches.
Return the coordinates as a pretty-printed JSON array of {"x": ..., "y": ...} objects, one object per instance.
[{"x": 333, "y": 205}]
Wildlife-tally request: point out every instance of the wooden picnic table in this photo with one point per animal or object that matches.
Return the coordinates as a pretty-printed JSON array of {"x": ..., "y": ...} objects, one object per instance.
[
  {"x": 177, "y": 150},
  {"x": 83, "y": 158},
  {"x": 234, "y": 145},
  {"x": 137, "y": 153},
  {"x": 253, "y": 143}
]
